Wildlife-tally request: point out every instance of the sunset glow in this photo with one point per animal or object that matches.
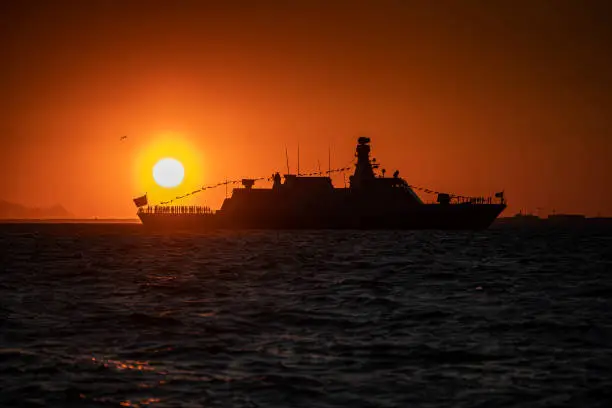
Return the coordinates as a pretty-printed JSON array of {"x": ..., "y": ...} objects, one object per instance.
[{"x": 167, "y": 165}]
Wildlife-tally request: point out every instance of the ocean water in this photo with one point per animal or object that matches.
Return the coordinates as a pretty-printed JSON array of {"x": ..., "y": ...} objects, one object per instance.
[{"x": 109, "y": 315}]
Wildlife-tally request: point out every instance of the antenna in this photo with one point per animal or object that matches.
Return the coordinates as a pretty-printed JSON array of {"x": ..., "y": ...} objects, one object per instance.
[
  {"x": 287, "y": 159},
  {"x": 328, "y": 161},
  {"x": 319, "y": 164},
  {"x": 298, "y": 169}
]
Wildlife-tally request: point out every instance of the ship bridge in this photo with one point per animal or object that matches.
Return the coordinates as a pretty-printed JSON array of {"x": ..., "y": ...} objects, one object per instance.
[{"x": 364, "y": 179}]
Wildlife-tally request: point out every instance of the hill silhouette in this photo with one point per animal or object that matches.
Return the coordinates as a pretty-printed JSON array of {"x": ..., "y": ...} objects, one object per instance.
[{"x": 10, "y": 210}]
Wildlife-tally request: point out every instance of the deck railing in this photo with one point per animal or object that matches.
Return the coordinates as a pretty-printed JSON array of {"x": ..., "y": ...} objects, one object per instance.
[
  {"x": 474, "y": 200},
  {"x": 175, "y": 209}
]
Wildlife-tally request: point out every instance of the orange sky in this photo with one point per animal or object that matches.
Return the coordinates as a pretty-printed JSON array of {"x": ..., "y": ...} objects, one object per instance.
[{"x": 461, "y": 96}]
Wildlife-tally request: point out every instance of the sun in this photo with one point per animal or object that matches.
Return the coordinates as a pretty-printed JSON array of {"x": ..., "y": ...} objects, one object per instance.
[{"x": 168, "y": 172}]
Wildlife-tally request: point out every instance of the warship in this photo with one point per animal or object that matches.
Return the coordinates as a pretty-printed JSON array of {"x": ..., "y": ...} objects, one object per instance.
[{"x": 370, "y": 201}]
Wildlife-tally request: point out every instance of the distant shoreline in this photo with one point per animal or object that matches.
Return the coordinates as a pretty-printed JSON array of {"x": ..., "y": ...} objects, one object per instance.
[
  {"x": 561, "y": 220},
  {"x": 502, "y": 221},
  {"x": 69, "y": 221}
]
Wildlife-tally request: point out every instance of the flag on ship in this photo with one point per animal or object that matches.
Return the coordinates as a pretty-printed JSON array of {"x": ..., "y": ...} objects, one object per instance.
[{"x": 141, "y": 201}]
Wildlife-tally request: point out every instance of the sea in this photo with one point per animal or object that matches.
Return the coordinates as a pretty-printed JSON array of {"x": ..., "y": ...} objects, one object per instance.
[{"x": 112, "y": 315}]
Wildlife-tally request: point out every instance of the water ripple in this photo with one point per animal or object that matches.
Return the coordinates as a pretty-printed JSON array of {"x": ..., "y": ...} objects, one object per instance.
[{"x": 108, "y": 315}]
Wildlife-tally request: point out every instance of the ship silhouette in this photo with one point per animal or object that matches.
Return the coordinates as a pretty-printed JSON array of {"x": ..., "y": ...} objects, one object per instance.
[{"x": 306, "y": 202}]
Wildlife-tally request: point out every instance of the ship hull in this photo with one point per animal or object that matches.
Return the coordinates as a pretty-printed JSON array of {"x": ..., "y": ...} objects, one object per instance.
[{"x": 426, "y": 216}]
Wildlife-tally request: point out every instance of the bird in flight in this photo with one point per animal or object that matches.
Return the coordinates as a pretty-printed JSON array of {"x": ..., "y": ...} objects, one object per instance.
[{"x": 122, "y": 138}]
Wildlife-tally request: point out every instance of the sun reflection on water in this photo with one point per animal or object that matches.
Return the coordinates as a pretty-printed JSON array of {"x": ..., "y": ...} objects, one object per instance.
[
  {"x": 124, "y": 365},
  {"x": 136, "y": 404}
]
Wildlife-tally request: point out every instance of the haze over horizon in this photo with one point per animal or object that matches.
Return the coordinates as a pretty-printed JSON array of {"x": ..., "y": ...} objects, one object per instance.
[{"x": 466, "y": 97}]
